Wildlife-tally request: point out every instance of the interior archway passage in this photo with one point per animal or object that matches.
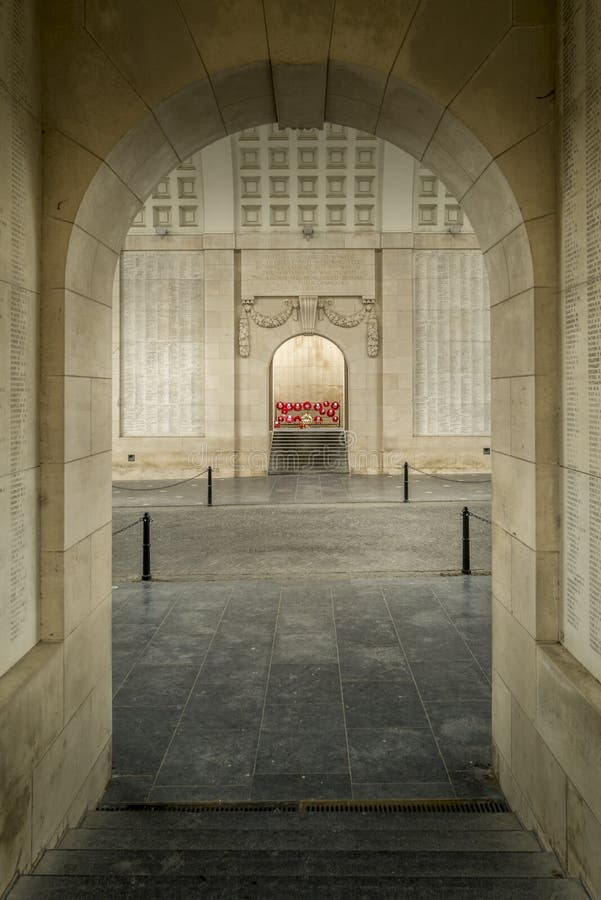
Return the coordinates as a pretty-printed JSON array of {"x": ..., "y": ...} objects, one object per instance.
[
  {"x": 309, "y": 369},
  {"x": 469, "y": 92}
]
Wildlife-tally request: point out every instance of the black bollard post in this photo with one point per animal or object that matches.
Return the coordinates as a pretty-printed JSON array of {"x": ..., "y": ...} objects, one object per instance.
[
  {"x": 209, "y": 486},
  {"x": 406, "y": 483},
  {"x": 465, "y": 568},
  {"x": 146, "y": 576}
]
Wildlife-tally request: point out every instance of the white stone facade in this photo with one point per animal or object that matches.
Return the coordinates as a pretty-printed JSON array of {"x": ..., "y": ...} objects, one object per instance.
[{"x": 314, "y": 244}]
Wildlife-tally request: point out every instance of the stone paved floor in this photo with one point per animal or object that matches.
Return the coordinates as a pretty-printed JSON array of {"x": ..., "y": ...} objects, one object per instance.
[
  {"x": 275, "y": 489},
  {"x": 279, "y": 689},
  {"x": 299, "y": 541}
]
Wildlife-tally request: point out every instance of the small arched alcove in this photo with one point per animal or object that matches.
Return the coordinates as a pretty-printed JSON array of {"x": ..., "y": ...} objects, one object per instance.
[{"x": 309, "y": 369}]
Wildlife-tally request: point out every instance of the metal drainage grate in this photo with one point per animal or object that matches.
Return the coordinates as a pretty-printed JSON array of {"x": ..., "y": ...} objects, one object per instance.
[
  {"x": 450, "y": 805},
  {"x": 208, "y": 807},
  {"x": 320, "y": 806}
]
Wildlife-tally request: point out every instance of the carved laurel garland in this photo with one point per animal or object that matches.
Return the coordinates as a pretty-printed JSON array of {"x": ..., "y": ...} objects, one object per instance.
[
  {"x": 322, "y": 307},
  {"x": 339, "y": 319},
  {"x": 244, "y": 335},
  {"x": 373, "y": 343},
  {"x": 270, "y": 321}
]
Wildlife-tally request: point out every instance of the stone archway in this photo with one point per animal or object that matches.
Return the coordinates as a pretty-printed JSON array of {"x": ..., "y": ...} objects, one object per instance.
[
  {"x": 113, "y": 129},
  {"x": 523, "y": 320},
  {"x": 312, "y": 368}
]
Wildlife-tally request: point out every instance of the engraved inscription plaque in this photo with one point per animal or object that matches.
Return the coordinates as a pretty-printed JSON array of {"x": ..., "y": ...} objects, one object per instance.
[
  {"x": 326, "y": 273},
  {"x": 451, "y": 343},
  {"x": 162, "y": 359},
  {"x": 19, "y": 472},
  {"x": 581, "y": 330}
]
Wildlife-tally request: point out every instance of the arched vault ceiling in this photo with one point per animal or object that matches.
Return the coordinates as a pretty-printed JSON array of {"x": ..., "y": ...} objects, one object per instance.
[
  {"x": 132, "y": 88},
  {"x": 303, "y": 62}
]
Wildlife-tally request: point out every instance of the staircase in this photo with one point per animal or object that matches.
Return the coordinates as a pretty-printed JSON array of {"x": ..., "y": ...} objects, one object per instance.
[
  {"x": 428, "y": 850},
  {"x": 311, "y": 450}
]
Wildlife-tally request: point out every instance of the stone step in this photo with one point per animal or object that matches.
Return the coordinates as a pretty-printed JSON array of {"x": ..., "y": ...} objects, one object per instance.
[
  {"x": 234, "y": 839},
  {"x": 285, "y": 445},
  {"x": 306, "y": 433},
  {"x": 34, "y": 887},
  {"x": 308, "y": 446},
  {"x": 306, "y": 863},
  {"x": 293, "y": 452},
  {"x": 334, "y": 438},
  {"x": 278, "y": 820}
]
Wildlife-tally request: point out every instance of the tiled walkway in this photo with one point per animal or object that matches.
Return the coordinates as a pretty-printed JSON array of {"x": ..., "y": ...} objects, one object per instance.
[
  {"x": 277, "y": 489},
  {"x": 318, "y": 688}
]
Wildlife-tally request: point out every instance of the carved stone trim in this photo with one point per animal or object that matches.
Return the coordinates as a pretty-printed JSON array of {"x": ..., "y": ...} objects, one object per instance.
[
  {"x": 274, "y": 321},
  {"x": 339, "y": 319},
  {"x": 308, "y": 314},
  {"x": 307, "y": 310},
  {"x": 244, "y": 335},
  {"x": 373, "y": 342}
]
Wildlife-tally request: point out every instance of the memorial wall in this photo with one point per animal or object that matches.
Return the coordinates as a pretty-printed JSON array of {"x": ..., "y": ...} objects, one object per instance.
[
  {"x": 19, "y": 308},
  {"x": 280, "y": 233},
  {"x": 580, "y": 174},
  {"x": 451, "y": 329},
  {"x": 162, "y": 328}
]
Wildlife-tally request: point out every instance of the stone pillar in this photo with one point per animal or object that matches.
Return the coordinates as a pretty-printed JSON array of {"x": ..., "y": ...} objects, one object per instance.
[
  {"x": 397, "y": 356},
  {"x": 220, "y": 357}
]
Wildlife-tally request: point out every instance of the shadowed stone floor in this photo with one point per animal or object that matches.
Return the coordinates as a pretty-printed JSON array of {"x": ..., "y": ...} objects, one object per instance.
[
  {"x": 297, "y": 489},
  {"x": 295, "y": 688},
  {"x": 300, "y": 541}
]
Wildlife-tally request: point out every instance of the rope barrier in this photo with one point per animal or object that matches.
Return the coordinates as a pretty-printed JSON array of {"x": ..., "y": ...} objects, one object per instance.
[
  {"x": 126, "y": 527},
  {"x": 446, "y": 478},
  {"x": 161, "y": 487},
  {"x": 473, "y": 515}
]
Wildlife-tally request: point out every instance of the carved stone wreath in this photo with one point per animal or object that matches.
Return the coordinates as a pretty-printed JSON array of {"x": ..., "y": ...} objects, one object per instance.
[
  {"x": 308, "y": 308},
  {"x": 339, "y": 319},
  {"x": 269, "y": 321}
]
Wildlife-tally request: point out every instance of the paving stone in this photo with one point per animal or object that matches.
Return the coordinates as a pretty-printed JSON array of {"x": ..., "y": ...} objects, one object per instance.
[
  {"x": 221, "y": 705},
  {"x": 375, "y": 704},
  {"x": 402, "y": 790},
  {"x": 305, "y": 751},
  {"x": 183, "y": 619},
  {"x": 198, "y": 755},
  {"x": 371, "y": 663},
  {"x": 176, "y": 649},
  {"x": 141, "y": 737},
  {"x": 463, "y": 732},
  {"x": 199, "y": 793},
  {"x": 394, "y": 755},
  {"x": 156, "y": 686},
  {"x": 301, "y": 713},
  {"x": 450, "y": 680},
  {"x": 142, "y": 611},
  {"x": 331, "y": 786},
  {"x": 311, "y": 682},
  {"x": 311, "y": 647}
]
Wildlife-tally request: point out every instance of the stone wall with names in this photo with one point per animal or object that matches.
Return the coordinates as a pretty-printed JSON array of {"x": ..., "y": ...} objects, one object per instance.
[
  {"x": 20, "y": 178},
  {"x": 292, "y": 273},
  {"x": 162, "y": 344},
  {"x": 580, "y": 172},
  {"x": 451, "y": 343}
]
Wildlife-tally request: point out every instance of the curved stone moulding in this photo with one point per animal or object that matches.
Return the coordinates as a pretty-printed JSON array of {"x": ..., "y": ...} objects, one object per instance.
[{"x": 307, "y": 310}]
